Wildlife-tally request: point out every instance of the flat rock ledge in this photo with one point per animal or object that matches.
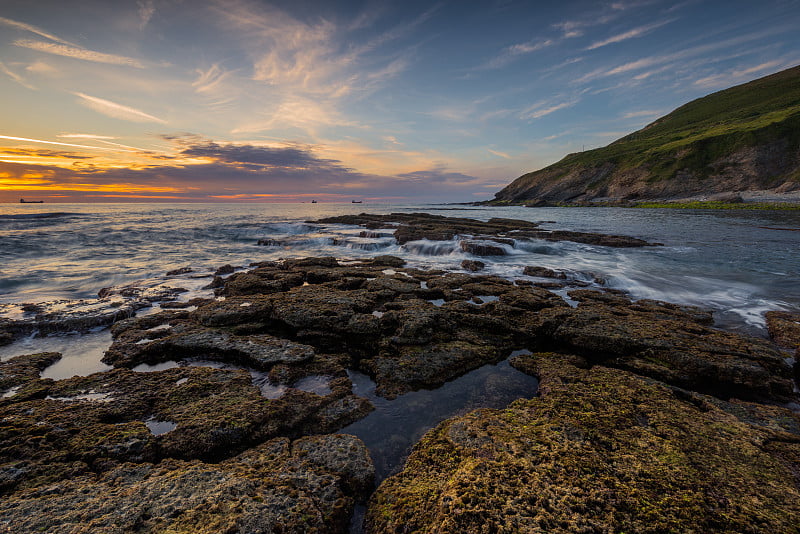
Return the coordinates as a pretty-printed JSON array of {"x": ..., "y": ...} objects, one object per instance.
[
  {"x": 600, "y": 450},
  {"x": 415, "y": 226}
]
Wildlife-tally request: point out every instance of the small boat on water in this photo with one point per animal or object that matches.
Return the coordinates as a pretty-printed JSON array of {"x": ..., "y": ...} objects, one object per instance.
[
  {"x": 356, "y": 201},
  {"x": 23, "y": 201},
  {"x": 313, "y": 201}
]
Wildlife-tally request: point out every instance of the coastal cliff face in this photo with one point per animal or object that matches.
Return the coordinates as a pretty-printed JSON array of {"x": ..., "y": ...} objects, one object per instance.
[{"x": 741, "y": 139}]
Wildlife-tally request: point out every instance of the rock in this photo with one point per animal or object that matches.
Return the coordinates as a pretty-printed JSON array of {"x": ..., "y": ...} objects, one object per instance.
[
  {"x": 549, "y": 285},
  {"x": 180, "y": 271},
  {"x": 672, "y": 344},
  {"x": 258, "y": 281},
  {"x": 416, "y": 226},
  {"x": 64, "y": 316},
  {"x": 181, "y": 340},
  {"x": 784, "y": 328},
  {"x": 309, "y": 485},
  {"x": 601, "y": 450},
  {"x": 481, "y": 248},
  {"x": 225, "y": 269},
  {"x": 267, "y": 242},
  {"x": 472, "y": 265},
  {"x": 94, "y": 423},
  {"x": 543, "y": 272},
  {"x": 388, "y": 261},
  {"x": 19, "y": 370}
]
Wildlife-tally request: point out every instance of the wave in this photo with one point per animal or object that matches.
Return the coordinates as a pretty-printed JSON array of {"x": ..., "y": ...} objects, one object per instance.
[
  {"x": 424, "y": 247},
  {"x": 288, "y": 228},
  {"x": 27, "y": 216}
]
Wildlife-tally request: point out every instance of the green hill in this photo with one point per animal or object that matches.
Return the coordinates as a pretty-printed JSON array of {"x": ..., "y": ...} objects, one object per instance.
[{"x": 740, "y": 139}]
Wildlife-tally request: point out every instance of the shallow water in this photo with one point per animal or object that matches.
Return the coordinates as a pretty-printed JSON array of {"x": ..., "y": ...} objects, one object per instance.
[{"x": 395, "y": 425}]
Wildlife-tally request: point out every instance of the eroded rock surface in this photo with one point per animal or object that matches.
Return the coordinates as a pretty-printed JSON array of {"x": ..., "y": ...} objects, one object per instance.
[
  {"x": 54, "y": 430},
  {"x": 406, "y": 328},
  {"x": 674, "y": 344},
  {"x": 601, "y": 450},
  {"x": 306, "y": 485}
]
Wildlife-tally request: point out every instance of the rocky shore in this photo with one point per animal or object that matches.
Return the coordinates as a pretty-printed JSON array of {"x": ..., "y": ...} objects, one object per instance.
[{"x": 223, "y": 416}]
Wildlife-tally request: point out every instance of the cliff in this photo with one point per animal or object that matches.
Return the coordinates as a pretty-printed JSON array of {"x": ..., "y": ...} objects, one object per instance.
[{"x": 740, "y": 139}]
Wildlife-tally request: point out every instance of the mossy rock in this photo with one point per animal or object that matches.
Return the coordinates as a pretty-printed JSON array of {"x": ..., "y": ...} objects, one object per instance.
[{"x": 601, "y": 450}]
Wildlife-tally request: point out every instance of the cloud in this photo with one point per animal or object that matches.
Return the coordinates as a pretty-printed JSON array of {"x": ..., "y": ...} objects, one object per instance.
[
  {"x": 663, "y": 60},
  {"x": 263, "y": 158},
  {"x": 510, "y": 53},
  {"x": 630, "y": 34},
  {"x": 26, "y": 139},
  {"x": 202, "y": 169},
  {"x": 540, "y": 109},
  {"x": 42, "y": 153},
  {"x": 34, "y": 29},
  {"x": 498, "y": 153},
  {"x": 305, "y": 114},
  {"x": 83, "y": 136},
  {"x": 78, "y": 53},
  {"x": 210, "y": 80},
  {"x": 117, "y": 111},
  {"x": 738, "y": 75},
  {"x": 14, "y": 76},
  {"x": 315, "y": 59},
  {"x": 147, "y": 9},
  {"x": 40, "y": 67},
  {"x": 439, "y": 176}
]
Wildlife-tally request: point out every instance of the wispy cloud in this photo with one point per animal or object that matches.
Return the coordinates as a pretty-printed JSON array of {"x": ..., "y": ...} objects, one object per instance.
[
  {"x": 315, "y": 58},
  {"x": 14, "y": 76},
  {"x": 306, "y": 114},
  {"x": 211, "y": 79},
  {"x": 117, "y": 111},
  {"x": 630, "y": 34},
  {"x": 29, "y": 140},
  {"x": 498, "y": 153},
  {"x": 33, "y": 29},
  {"x": 738, "y": 75},
  {"x": 663, "y": 60},
  {"x": 84, "y": 136},
  {"x": 78, "y": 53},
  {"x": 510, "y": 53},
  {"x": 147, "y": 9},
  {"x": 541, "y": 109}
]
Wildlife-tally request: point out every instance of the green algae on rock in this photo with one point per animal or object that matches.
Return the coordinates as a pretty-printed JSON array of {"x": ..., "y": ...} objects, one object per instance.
[
  {"x": 92, "y": 424},
  {"x": 306, "y": 485},
  {"x": 601, "y": 450}
]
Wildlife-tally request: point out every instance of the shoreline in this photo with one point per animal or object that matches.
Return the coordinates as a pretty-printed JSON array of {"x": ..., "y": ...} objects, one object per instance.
[{"x": 744, "y": 200}]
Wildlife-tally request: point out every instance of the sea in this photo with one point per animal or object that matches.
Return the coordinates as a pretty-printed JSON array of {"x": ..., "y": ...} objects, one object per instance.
[{"x": 738, "y": 263}]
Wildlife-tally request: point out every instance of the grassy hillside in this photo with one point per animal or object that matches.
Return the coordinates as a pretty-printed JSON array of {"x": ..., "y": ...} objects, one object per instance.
[{"x": 691, "y": 139}]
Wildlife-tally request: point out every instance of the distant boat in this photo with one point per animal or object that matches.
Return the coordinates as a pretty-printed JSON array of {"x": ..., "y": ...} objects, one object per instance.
[
  {"x": 313, "y": 201},
  {"x": 23, "y": 201},
  {"x": 356, "y": 201}
]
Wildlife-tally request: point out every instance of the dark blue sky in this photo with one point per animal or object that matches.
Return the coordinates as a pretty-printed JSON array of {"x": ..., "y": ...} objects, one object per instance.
[{"x": 381, "y": 100}]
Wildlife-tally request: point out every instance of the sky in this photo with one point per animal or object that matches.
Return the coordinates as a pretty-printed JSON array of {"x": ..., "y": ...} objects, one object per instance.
[{"x": 379, "y": 101}]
